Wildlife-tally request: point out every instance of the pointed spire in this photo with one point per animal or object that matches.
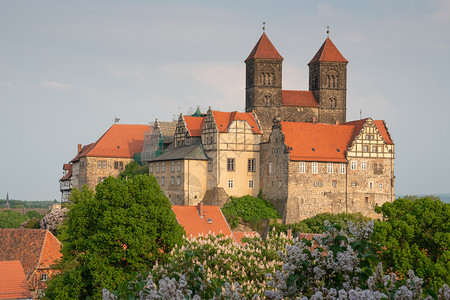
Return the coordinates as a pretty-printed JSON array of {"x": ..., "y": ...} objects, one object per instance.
[
  {"x": 328, "y": 52},
  {"x": 7, "y": 206},
  {"x": 264, "y": 49}
]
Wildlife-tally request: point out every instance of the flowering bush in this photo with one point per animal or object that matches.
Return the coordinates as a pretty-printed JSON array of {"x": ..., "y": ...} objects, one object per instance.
[{"x": 54, "y": 219}]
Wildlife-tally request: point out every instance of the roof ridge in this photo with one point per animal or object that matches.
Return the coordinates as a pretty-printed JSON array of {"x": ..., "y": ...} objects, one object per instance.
[{"x": 264, "y": 49}]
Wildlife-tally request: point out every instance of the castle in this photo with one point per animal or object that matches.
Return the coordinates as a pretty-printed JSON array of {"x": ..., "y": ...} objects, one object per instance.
[{"x": 296, "y": 147}]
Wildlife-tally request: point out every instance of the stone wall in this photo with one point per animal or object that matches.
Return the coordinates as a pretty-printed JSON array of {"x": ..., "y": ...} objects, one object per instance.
[{"x": 99, "y": 168}]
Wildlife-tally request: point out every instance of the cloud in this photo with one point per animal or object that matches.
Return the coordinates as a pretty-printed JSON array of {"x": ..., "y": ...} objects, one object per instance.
[
  {"x": 51, "y": 84},
  {"x": 441, "y": 14}
]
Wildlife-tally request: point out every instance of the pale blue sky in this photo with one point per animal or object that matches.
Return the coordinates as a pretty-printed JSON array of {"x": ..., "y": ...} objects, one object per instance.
[{"x": 66, "y": 69}]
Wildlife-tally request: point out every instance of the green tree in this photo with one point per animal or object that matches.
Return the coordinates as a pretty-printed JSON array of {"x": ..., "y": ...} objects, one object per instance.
[
  {"x": 126, "y": 226},
  {"x": 33, "y": 214},
  {"x": 11, "y": 219},
  {"x": 133, "y": 169},
  {"x": 415, "y": 234}
]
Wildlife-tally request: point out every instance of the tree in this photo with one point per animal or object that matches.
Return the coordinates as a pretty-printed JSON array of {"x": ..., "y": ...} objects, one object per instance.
[
  {"x": 11, "y": 219},
  {"x": 415, "y": 234},
  {"x": 133, "y": 169},
  {"x": 126, "y": 226}
]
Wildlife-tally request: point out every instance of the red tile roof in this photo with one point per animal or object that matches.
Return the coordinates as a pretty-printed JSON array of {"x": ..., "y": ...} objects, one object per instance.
[
  {"x": 120, "y": 141},
  {"x": 194, "y": 125},
  {"x": 224, "y": 119},
  {"x": 13, "y": 284},
  {"x": 238, "y": 235},
  {"x": 212, "y": 222},
  {"x": 298, "y": 98},
  {"x": 34, "y": 248},
  {"x": 328, "y": 52},
  {"x": 264, "y": 49},
  {"x": 381, "y": 126},
  {"x": 67, "y": 167},
  {"x": 317, "y": 142}
]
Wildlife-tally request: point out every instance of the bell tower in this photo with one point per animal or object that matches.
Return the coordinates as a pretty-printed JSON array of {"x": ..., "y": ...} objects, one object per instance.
[
  {"x": 328, "y": 81},
  {"x": 263, "y": 81}
]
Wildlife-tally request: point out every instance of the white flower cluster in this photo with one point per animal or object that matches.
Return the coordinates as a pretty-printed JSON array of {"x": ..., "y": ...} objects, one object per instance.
[{"x": 53, "y": 219}]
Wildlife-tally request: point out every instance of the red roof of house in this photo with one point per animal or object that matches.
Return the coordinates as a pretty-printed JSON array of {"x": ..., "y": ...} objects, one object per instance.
[
  {"x": 67, "y": 167},
  {"x": 317, "y": 142},
  {"x": 194, "y": 125},
  {"x": 264, "y": 49},
  {"x": 212, "y": 222},
  {"x": 381, "y": 126},
  {"x": 34, "y": 248},
  {"x": 328, "y": 52},
  {"x": 298, "y": 98},
  {"x": 119, "y": 141},
  {"x": 224, "y": 119},
  {"x": 238, "y": 235},
  {"x": 13, "y": 284}
]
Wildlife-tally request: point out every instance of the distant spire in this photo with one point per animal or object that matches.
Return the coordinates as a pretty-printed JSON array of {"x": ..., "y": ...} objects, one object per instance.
[
  {"x": 7, "y": 201},
  {"x": 328, "y": 31},
  {"x": 264, "y": 26}
]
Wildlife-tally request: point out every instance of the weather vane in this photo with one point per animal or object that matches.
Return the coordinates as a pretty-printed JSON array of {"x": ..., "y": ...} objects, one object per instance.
[
  {"x": 264, "y": 26},
  {"x": 328, "y": 31}
]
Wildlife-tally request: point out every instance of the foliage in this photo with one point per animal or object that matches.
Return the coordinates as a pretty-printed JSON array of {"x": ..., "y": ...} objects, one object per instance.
[
  {"x": 415, "y": 234},
  {"x": 16, "y": 204},
  {"x": 133, "y": 169},
  {"x": 33, "y": 214},
  {"x": 316, "y": 224},
  {"x": 252, "y": 210},
  {"x": 126, "y": 226},
  {"x": 11, "y": 219},
  {"x": 337, "y": 265},
  {"x": 54, "y": 220},
  {"x": 31, "y": 224}
]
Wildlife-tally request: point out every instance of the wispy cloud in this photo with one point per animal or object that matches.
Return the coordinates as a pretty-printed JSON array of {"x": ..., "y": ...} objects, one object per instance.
[{"x": 52, "y": 84}]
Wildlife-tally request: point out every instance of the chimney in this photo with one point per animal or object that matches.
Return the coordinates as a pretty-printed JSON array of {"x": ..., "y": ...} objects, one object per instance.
[
  {"x": 79, "y": 148},
  {"x": 200, "y": 209},
  {"x": 289, "y": 233},
  {"x": 337, "y": 122},
  {"x": 314, "y": 120}
]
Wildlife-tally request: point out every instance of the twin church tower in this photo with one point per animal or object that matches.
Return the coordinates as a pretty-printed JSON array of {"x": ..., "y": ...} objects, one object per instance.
[{"x": 325, "y": 102}]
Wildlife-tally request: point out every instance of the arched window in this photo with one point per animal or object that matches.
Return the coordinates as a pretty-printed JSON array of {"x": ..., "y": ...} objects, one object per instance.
[
  {"x": 268, "y": 99},
  {"x": 267, "y": 76},
  {"x": 332, "y": 79},
  {"x": 333, "y": 103}
]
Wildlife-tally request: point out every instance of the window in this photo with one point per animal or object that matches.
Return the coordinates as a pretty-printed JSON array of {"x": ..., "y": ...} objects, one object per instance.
[
  {"x": 250, "y": 183},
  {"x": 163, "y": 180},
  {"x": 370, "y": 185},
  {"x": 157, "y": 180},
  {"x": 173, "y": 167},
  {"x": 377, "y": 168},
  {"x": 163, "y": 167},
  {"x": 314, "y": 167},
  {"x": 302, "y": 167},
  {"x": 230, "y": 164},
  {"x": 380, "y": 185},
  {"x": 318, "y": 183},
  {"x": 119, "y": 165},
  {"x": 374, "y": 149},
  {"x": 172, "y": 180},
  {"x": 179, "y": 167},
  {"x": 333, "y": 102},
  {"x": 105, "y": 164},
  {"x": 178, "y": 180},
  {"x": 251, "y": 166},
  {"x": 270, "y": 168},
  {"x": 367, "y": 200},
  {"x": 330, "y": 168},
  {"x": 365, "y": 148},
  {"x": 364, "y": 165},
  {"x": 342, "y": 168},
  {"x": 353, "y": 184},
  {"x": 82, "y": 164},
  {"x": 334, "y": 183},
  {"x": 354, "y": 165},
  {"x": 99, "y": 164},
  {"x": 210, "y": 164},
  {"x": 230, "y": 183},
  {"x": 157, "y": 168},
  {"x": 369, "y": 137},
  {"x": 150, "y": 168}
]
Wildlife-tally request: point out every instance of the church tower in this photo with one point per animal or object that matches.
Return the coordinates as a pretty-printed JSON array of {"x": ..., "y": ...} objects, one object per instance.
[
  {"x": 328, "y": 81},
  {"x": 263, "y": 81}
]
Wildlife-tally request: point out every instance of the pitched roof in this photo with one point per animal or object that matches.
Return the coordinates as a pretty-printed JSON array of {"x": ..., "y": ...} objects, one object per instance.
[
  {"x": 224, "y": 119},
  {"x": 120, "y": 141},
  {"x": 194, "y": 125},
  {"x": 167, "y": 131},
  {"x": 13, "y": 284},
  {"x": 298, "y": 98},
  {"x": 328, "y": 52},
  {"x": 212, "y": 221},
  {"x": 238, "y": 235},
  {"x": 317, "y": 142},
  {"x": 264, "y": 49},
  {"x": 192, "y": 152},
  {"x": 35, "y": 248},
  {"x": 381, "y": 126},
  {"x": 67, "y": 167}
]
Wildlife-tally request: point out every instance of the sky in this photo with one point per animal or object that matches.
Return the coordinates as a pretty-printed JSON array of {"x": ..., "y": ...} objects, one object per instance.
[{"x": 67, "y": 69}]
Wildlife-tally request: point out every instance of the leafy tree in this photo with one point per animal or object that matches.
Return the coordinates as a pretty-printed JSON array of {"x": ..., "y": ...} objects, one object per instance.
[
  {"x": 415, "y": 234},
  {"x": 316, "y": 224},
  {"x": 126, "y": 226},
  {"x": 250, "y": 209},
  {"x": 32, "y": 224},
  {"x": 133, "y": 169},
  {"x": 11, "y": 219},
  {"x": 33, "y": 214}
]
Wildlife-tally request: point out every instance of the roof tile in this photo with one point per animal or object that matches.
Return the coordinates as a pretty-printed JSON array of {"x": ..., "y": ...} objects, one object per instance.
[
  {"x": 264, "y": 49},
  {"x": 298, "y": 98},
  {"x": 224, "y": 119},
  {"x": 328, "y": 52},
  {"x": 13, "y": 284}
]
